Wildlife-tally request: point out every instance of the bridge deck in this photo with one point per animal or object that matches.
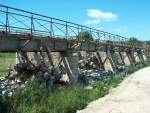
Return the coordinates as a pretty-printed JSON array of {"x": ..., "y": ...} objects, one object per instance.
[{"x": 16, "y": 42}]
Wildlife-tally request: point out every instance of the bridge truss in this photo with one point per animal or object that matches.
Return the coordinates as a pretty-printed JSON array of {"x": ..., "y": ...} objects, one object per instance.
[{"x": 23, "y": 31}]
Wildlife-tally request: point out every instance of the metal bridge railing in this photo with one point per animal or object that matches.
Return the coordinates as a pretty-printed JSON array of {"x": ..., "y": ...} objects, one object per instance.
[{"x": 18, "y": 21}]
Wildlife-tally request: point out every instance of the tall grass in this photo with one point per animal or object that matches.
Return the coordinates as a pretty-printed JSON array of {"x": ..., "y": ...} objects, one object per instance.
[
  {"x": 35, "y": 97},
  {"x": 5, "y": 104}
]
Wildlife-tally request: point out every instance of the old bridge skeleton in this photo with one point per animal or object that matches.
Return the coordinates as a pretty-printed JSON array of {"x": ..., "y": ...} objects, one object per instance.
[{"x": 41, "y": 36}]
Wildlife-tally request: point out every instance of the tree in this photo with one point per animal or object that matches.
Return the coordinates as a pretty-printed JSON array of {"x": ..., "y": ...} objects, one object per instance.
[
  {"x": 148, "y": 42},
  {"x": 85, "y": 36},
  {"x": 134, "y": 41}
]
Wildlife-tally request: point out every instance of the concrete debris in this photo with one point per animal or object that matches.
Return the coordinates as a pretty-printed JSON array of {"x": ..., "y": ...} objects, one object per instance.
[
  {"x": 90, "y": 70},
  {"x": 46, "y": 72},
  {"x": 8, "y": 85},
  {"x": 24, "y": 71},
  {"x": 120, "y": 67}
]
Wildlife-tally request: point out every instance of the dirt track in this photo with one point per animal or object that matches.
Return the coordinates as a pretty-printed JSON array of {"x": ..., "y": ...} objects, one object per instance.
[{"x": 132, "y": 96}]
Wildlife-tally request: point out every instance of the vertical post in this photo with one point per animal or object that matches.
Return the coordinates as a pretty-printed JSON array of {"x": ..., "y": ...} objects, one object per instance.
[
  {"x": 31, "y": 24},
  {"x": 51, "y": 27},
  {"x": 104, "y": 37},
  {"x": 78, "y": 32},
  {"x": 109, "y": 37},
  {"x": 6, "y": 25},
  {"x": 98, "y": 36},
  {"x": 66, "y": 31},
  {"x": 79, "y": 41},
  {"x": 115, "y": 40}
]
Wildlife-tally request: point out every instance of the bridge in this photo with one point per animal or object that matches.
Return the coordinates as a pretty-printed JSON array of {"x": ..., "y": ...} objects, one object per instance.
[{"x": 26, "y": 32}]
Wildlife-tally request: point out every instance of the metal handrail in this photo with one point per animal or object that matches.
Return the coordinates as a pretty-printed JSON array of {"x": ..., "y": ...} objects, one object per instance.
[{"x": 56, "y": 26}]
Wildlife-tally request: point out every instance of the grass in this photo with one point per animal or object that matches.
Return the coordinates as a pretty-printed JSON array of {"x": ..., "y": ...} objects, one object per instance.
[
  {"x": 7, "y": 60},
  {"x": 35, "y": 97},
  {"x": 3, "y": 73},
  {"x": 5, "y": 104}
]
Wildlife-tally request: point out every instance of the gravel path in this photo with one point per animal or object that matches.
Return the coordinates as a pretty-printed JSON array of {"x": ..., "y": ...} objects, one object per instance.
[{"x": 132, "y": 96}]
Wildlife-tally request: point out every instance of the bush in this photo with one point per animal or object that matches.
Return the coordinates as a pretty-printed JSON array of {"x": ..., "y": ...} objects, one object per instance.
[{"x": 85, "y": 36}]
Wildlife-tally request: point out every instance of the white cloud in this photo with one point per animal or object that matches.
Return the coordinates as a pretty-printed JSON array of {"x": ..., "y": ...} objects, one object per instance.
[{"x": 98, "y": 16}]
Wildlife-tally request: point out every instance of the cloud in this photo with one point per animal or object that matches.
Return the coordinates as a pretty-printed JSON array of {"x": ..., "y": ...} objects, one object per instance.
[{"x": 98, "y": 16}]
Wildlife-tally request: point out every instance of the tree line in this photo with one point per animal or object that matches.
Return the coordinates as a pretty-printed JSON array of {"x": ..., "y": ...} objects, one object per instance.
[{"x": 87, "y": 36}]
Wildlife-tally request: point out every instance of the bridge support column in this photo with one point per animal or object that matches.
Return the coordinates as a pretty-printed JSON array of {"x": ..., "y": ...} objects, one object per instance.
[
  {"x": 125, "y": 58},
  {"x": 121, "y": 57},
  {"x": 70, "y": 60},
  {"x": 109, "y": 56},
  {"x": 136, "y": 57},
  {"x": 140, "y": 55},
  {"x": 146, "y": 55},
  {"x": 133, "y": 57},
  {"x": 114, "y": 58},
  {"x": 100, "y": 60},
  {"x": 130, "y": 55}
]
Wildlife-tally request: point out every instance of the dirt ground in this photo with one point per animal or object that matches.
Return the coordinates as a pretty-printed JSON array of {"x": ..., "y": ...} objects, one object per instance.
[{"x": 131, "y": 96}]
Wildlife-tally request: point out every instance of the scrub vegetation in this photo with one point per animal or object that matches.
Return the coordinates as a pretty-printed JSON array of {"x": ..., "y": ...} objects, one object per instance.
[{"x": 35, "y": 97}]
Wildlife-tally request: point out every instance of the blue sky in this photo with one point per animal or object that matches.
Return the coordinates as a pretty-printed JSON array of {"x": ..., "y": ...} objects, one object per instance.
[{"x": 124, "y": 17}]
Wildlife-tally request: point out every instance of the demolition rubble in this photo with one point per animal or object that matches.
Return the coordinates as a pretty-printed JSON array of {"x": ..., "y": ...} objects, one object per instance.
[
  {"x": 45, "y": 72},
  {"x": 90, "y": 70}
]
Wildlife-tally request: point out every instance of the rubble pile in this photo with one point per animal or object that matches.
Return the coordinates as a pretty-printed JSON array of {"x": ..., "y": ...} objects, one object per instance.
[
  {"x": 90, "y": 70},
  {"x": 45, "y": 72},
  {"x": 22, "y": 72},
  {"x": 120, "y": 67},
  {"x": 8, "y": 85}
]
